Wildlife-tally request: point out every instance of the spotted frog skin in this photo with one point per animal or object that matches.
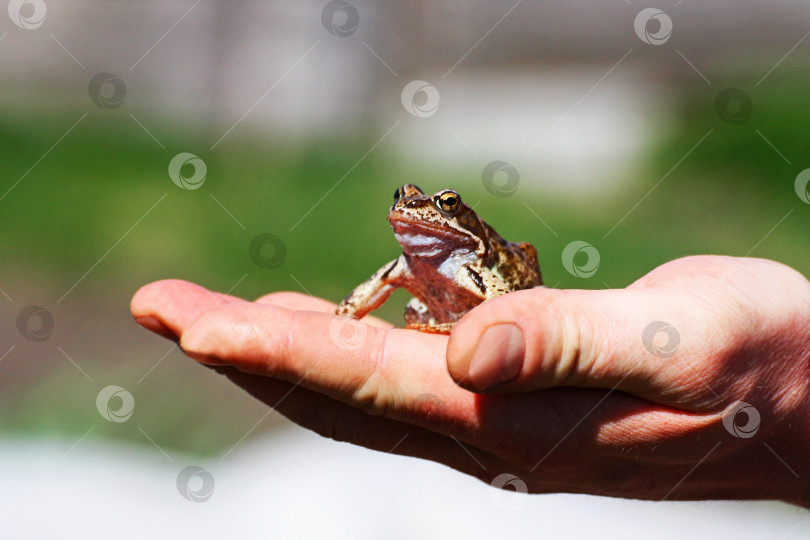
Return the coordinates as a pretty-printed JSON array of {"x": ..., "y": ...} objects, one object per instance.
[{"x": 451, "y": 261}]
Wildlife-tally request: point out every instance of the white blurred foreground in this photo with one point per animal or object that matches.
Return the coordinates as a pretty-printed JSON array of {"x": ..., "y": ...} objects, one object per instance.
[{"x": 298, "y": 485}]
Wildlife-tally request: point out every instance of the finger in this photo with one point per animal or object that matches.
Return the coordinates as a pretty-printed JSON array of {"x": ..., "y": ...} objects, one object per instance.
[
  {"x": 396, "y": 373},
  {"x": 166, "y": 307},
  {"x": 341, "y": 422},
  {"x": 304, "y": 302},
  {"x": 297, "y": 301},
  {"x": 541, "y": 338}
]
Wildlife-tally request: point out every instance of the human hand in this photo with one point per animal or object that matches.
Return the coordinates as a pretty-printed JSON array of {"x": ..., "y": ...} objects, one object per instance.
[{"x": 591, "y": 403}]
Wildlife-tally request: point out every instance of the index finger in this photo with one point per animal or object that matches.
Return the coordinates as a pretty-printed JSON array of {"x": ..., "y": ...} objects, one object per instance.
[
  {"x": 403, "y": 374},
  {"x": 382, "y": 371}
]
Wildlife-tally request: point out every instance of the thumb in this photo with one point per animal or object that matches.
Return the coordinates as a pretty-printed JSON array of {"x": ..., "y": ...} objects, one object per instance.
[{"x": 541, "y": 338}]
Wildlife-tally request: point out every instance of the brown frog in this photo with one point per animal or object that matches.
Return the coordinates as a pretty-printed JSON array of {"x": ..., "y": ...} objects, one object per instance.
[{"x": 451, "y": 261}]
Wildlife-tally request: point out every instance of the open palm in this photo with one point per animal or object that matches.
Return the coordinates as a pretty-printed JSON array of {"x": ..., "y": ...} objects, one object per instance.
[{"x": 554, "y": 390}]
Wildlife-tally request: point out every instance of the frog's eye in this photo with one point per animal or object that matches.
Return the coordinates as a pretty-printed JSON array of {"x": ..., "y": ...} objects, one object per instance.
[
  {"x": 449, "y": 201},
  {"x": 397, "y": 193}
]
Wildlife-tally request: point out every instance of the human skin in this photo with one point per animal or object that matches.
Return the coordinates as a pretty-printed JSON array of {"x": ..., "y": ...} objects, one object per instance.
[{"x": 588, "y": 405}]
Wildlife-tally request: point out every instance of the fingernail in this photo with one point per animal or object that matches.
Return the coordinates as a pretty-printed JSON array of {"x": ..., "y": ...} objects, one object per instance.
[
  {"x": 498, "y": 357},
  {"x": 152, "y": 323}
]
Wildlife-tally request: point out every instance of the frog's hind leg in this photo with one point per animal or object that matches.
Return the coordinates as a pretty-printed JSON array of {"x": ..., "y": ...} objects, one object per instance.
[
  {"x": 418, "y": 317},
  {"x": 533, "y": 278}
]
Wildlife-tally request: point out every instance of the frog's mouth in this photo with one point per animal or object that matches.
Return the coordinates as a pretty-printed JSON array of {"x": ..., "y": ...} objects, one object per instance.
[{"x": 422, "y": 240}]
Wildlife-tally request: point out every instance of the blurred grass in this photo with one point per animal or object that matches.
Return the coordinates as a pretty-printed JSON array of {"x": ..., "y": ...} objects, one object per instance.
[{"x": 84, "y": 196}]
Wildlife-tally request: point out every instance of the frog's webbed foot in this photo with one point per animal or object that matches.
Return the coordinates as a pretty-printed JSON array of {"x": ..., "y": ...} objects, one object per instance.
[
  {"x": 418, "y": 317},
  {"x": 439, "y": 328}
]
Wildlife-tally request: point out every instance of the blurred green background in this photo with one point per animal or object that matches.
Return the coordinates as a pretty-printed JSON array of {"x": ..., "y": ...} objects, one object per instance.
[
  {"x": 724, "y": 199},
  {"x": 70, "y": 243}
]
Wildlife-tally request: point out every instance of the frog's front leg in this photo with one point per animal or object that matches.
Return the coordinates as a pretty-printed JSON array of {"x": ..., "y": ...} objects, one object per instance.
[
  {"x": 373, "y": 292},
  {"x": 481, "y": 281}
]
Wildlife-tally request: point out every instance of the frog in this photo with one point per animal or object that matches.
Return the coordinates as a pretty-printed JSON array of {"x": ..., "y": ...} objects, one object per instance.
[{"x": 451, "y": 262}]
